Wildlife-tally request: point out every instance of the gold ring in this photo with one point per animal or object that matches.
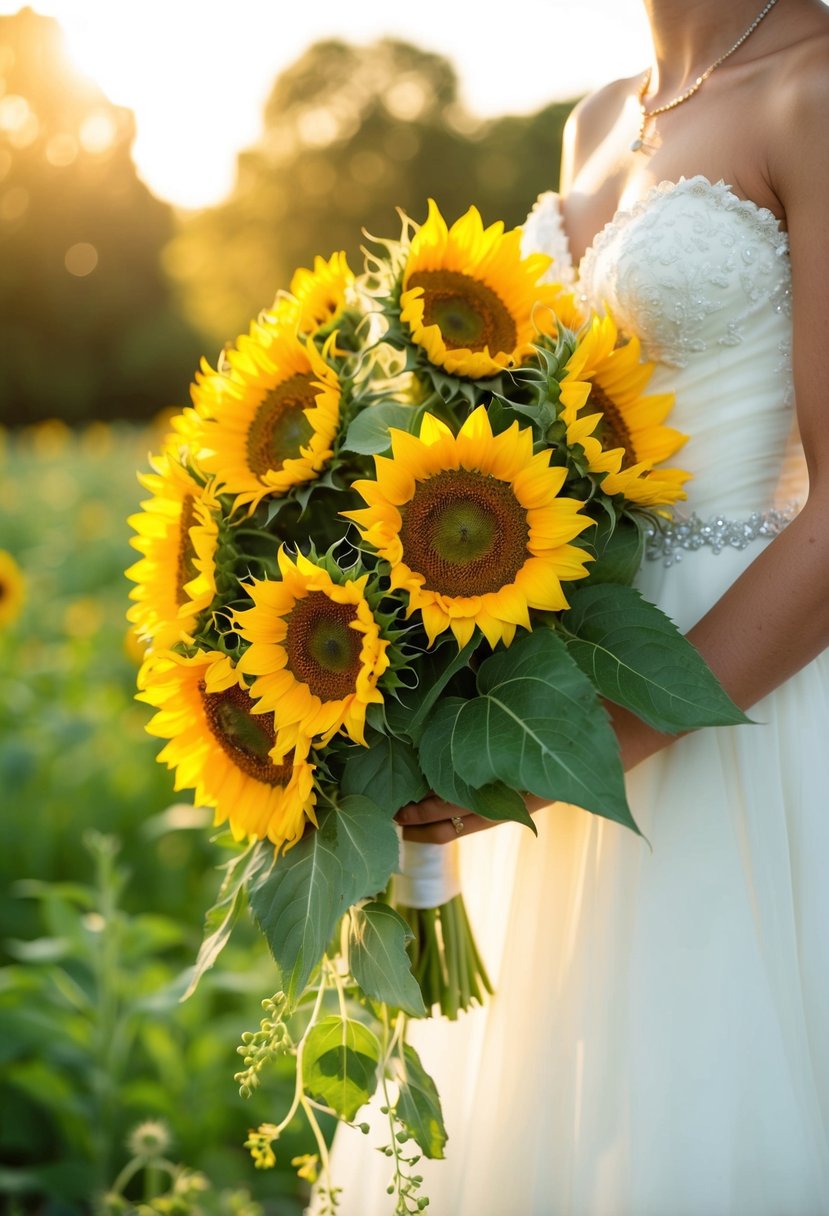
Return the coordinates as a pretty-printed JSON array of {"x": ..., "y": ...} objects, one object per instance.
[{"x": 458, "y": 824}]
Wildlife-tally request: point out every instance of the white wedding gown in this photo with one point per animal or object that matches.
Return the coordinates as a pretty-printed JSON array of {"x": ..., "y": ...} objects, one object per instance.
[{"x": 659, "y": 1041}]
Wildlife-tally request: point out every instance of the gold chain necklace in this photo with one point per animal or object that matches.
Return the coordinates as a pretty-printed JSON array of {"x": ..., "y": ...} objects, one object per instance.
[{"x": 646, "y": 115}]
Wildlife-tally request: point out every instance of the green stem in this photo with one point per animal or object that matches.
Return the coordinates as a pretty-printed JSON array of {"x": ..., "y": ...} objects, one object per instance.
[
  {"x": 451, "y": 947},
  {"x": 395, "y": 1147},
  {"x": 299, "y": 1091}
]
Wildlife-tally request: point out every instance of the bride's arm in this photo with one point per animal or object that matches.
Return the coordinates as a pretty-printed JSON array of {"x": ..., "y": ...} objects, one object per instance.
[{"x": 775, "y": 618}]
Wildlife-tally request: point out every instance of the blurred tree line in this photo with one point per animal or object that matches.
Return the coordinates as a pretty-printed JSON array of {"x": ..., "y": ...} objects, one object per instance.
[
  {"x": 89, "y": 325},
  {"x": 107, "y": 296}
]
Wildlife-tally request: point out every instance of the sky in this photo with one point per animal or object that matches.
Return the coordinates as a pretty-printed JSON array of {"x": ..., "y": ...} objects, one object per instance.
[{"x": 196, "y": 73}]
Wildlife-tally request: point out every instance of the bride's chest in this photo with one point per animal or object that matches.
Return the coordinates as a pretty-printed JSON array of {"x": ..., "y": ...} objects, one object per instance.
[{"x": 688, "y": 267}]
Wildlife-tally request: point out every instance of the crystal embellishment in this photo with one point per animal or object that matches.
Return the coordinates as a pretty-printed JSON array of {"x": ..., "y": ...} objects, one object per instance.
[{"x": 668, "y": 542}]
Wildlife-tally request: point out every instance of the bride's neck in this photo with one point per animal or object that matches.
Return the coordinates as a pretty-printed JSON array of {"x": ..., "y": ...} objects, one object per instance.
[{"x": 688, "y": 37}]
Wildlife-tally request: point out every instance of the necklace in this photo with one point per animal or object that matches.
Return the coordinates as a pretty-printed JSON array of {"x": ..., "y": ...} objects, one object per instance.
[{"x": 646, "y": 115}]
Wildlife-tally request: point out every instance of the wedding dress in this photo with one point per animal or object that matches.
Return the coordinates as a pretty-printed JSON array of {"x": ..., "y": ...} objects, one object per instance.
[{"x": 659, "y": 1040}]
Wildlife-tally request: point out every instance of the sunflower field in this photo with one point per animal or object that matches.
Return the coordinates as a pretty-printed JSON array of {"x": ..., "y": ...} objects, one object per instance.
[{"x": 116, "y": 1095}]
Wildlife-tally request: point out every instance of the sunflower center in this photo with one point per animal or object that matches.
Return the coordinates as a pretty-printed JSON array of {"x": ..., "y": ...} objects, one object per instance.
[
  {"x": 613, "y": 430},
  {"x": 245, "y": 737},
  {"x": 465, "y": 532},
  {"x": 4, "y": 591},
  {"x": 186, "y": 569},
  {"x": 279, "y": 428},
  {"x": 468, "y": 313},
  {"x": 323, "y": 650}
]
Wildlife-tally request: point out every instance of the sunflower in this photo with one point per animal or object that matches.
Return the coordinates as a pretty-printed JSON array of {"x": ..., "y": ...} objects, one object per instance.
[
  {"x": 12, "y": 589},
  {"x": 473, "y": 527},
  {"x": 470, "y": 300},
  {"x": 177, "y": 534},
  {"x": 316, "y": 298},
  {"x": 270, "y": 417},
  {"x": 315, "y": 650},
  {"x": 619, "y": 427},
  {"x": 221, "y": 746}
]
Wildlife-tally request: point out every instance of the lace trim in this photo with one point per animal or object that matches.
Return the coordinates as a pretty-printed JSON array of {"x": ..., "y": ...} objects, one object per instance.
[
  {"x": 765, "y": 222},
  {"x": 543, "y": 232},
  {"x": 675, "y": 336},
  {"x": 667, "y": 542}
]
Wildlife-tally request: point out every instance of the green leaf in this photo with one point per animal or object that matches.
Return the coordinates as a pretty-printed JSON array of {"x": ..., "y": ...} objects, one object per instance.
[
  {"x": 378, "y": 959},
  {"x": 368, "y": 434},
  {"x": 636, "y": 657},
  {"x": 435, "y": 668},
  {"x": 438, "y": 668},
  {"x": 350, "y": 856},
  {"x": 388, "y": 770},
  {"x": 539, "y": 726},
  {"x": 493, "y": 801},
  {"x": 340, "y": 1059},
  {"x": 232, "y": 897},
  {"x": 618, "y": 548},
  {"x": 418, "y": 1104}
]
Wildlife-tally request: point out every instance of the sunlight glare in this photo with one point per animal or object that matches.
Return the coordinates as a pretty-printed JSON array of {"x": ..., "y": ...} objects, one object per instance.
[{"x": 196, "y": 73}]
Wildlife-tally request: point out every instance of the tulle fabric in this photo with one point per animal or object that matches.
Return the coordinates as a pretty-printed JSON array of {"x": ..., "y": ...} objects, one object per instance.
[{"x": 657, "y": 1044}]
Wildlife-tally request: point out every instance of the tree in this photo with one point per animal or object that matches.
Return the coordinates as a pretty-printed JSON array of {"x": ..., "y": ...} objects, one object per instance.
[
  {"x": 351, "y": 134},
  {"x": 88, "y": 323}
]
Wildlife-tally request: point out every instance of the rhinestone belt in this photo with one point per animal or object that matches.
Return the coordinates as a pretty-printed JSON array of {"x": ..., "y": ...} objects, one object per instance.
[{"x": 669, "y": 541}]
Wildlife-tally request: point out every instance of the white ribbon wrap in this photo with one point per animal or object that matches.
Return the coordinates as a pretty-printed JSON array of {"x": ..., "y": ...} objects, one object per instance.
[{"x": 429, "y": 874}]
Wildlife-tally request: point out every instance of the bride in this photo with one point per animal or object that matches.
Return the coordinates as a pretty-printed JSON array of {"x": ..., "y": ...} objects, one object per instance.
[{"x": 658, "y": 1043}]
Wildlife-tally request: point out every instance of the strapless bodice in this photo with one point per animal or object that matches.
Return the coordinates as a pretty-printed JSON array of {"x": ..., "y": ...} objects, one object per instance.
[{"x": 702, "y": 277}]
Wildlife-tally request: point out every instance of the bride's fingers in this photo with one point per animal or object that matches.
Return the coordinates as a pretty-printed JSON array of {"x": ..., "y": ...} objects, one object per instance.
[
  {"x": 443, "y": 831},
  {"x": 430, "y": 810}
]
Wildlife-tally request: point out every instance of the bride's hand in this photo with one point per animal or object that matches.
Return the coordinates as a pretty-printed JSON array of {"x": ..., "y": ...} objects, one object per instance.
[{"x": 433, "y": 821}]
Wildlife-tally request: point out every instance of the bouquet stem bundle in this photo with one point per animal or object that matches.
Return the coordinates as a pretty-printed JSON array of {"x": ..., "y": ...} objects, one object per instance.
[{"x": 445, "y": 959}]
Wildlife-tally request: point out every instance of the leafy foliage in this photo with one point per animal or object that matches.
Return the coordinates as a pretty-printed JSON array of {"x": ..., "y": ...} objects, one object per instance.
[
  {"x": 536, "y": 725},
  {"x": 299, "y": 901},
  {"x": 340, "y": 1060},
  {"x": 418, "y": 1105},
  {"x": 95, "y": 1036},
  {"x": 378, "y": 959},
  {"x": 636, "y": 657}
]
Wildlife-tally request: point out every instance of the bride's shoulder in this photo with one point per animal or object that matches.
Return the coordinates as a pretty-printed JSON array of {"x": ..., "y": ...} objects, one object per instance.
[
  {"x": 601, "y": 107},
  {"x": 795, "y": 113},
  {"x": 592, "y": 118}
]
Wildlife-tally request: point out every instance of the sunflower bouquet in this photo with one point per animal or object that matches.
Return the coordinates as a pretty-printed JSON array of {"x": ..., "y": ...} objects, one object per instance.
[{"x": 389, "y": 551}]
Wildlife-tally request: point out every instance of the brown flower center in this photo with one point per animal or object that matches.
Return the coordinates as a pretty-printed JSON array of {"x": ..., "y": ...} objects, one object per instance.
[
  {"x": 186, "y": 568},
  {"x": 323, "y": 650},
  {"x": 279, "y": 428},
  {"x": 246, "y": 737},
  {"x": 613, "y": 429},
  {"x": 468, "y": 313},
  {"x": 465, "y": 532}
]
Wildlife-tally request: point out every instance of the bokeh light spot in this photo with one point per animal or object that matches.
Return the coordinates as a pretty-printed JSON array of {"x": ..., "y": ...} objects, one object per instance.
[
  {"x": 406, "y": 99},
  {"x": 81, "y": 259},
  {"x": 97, "y": 133},
  {"x": 15, "y": 111},
  {"x": 61, "y": 150}
]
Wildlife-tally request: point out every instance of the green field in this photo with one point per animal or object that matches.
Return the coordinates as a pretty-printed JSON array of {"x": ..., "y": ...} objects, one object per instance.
[{"x": 107, "y": 877}]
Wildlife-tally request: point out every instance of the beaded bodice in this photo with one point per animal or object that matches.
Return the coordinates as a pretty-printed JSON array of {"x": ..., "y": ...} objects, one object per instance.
[{"x": 703, "y": 278}]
